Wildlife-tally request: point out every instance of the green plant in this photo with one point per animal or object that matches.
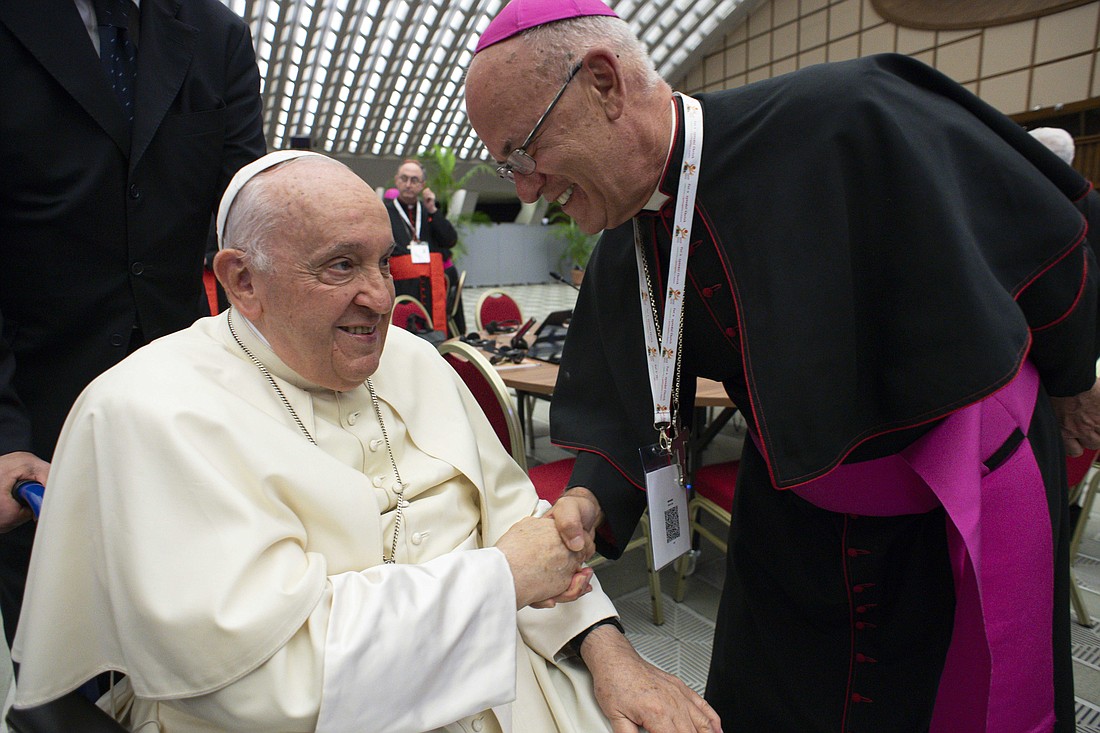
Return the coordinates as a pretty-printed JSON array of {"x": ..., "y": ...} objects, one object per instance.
[
  {"x": 578, "y": 245},
  {"x": 439, "y": 163}
]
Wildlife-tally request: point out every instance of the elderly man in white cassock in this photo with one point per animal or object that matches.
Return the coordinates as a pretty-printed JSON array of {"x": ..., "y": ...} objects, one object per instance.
[{"x": 290, "y": 517}]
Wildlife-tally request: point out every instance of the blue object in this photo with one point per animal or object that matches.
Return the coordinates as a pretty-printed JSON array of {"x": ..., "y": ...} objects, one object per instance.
[{"x": 30, "y": 493}]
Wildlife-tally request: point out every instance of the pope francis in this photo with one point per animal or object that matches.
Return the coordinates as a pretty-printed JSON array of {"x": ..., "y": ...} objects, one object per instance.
[{"x": 290, "y": 518}]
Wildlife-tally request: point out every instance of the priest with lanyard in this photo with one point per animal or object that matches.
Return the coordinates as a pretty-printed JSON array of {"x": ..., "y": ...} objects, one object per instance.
[
  {"x": 420, "y": 228},
  {"x": 294, "y": 517},
  {"x": 889, "y": 278}
]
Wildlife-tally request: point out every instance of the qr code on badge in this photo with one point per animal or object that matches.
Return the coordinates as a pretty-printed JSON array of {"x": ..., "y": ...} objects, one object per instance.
[{"x": 672, "y": 524}]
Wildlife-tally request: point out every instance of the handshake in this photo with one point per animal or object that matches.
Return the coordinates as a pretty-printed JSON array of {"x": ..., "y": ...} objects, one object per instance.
[{"x": 544, "y": 569}]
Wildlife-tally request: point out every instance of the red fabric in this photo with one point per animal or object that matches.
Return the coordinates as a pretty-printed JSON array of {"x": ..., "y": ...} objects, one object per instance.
[
  {"x": 434, "y": 297},
  {"x": 210, "y": 283},
  {"x": 1076, "y": 468},
  {"x": 499, "y": 308},
  {"x": 485, "y": 396},
  {"x": 550, "y": 478},
  {"x": 402, "y": 311},
  {"x": 716, "y": 482}
]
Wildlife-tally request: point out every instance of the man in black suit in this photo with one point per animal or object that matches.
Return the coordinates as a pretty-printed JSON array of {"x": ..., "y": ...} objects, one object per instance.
[
  {"x": 105, "y": 203},
  {"x": 416, "y": 220}
]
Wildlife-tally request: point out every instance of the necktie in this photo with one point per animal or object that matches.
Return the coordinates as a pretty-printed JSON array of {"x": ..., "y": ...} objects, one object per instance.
[{"x": 116, "y": 51}]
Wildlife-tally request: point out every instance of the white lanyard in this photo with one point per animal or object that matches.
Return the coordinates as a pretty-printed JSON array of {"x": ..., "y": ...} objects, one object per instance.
[
  {"x": 661, "y": 353},
  {"x": 405, "y": 218}
]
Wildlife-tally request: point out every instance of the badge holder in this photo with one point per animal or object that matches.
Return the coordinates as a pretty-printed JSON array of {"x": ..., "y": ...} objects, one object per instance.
[
  {"x": 420, "y": 252},
  {"x": 666, "y": 497}
]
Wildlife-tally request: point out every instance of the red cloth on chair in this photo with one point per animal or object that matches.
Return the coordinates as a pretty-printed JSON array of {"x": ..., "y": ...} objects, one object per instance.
[
  {"x": 716, "y": 482},
  {"x": 425, "y": 282},
  {"x": 1077, "y": 467},
  {"x": 550, "y": 478},
  {"x": 483, "y": 393}
]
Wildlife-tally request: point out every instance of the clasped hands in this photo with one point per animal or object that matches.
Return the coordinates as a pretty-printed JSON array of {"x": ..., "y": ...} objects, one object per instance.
[
  {"x": 631, "y": 692},
  {"x": 547, "y": 554}
]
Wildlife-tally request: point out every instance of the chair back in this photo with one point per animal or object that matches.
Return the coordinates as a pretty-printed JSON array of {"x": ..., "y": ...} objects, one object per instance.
[
  {"x": 454, "y": 296},
  {"x": 490, "y": 392},
  {"x": 715, "y": 483},
  {"x": 497, "y": 306},
  {"x": 405, "y": 310}
]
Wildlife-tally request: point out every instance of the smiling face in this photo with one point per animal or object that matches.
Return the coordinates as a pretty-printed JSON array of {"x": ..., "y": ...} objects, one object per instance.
[
  {"x": 581, "y": 152},
  {"x": 324, "y": 304}
]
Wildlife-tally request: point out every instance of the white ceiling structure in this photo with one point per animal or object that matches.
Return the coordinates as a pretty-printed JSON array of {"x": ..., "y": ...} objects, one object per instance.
[{"x": 383, "y": 78}]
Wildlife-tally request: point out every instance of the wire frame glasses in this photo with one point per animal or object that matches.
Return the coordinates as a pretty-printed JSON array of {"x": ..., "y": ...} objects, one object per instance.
[{"x": 518, "y": 160}]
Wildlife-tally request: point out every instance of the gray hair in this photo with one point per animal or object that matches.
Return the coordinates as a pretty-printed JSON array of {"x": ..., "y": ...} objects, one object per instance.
[
  {"x": 561, "y": 44},
  {"x": 1059, "y": 141},
  {"x": 258, "y": 214}
]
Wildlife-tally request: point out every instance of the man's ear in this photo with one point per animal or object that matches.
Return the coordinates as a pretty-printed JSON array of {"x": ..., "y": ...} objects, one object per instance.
[
  {"x": 607, "y": 79},
  {"x": 236, "y": 278}
]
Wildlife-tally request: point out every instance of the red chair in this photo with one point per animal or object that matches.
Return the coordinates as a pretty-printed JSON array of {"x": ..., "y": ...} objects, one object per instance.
[
  {"x": 405, "y": 311},
  {"x": 496, "y": 306},
  {"x": 491, "y": 394},
  {"x": 713, "y": 493},
  {"x": 1077, "y": 469}
]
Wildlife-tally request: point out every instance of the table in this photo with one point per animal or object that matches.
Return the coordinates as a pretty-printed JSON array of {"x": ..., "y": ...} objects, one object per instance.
[{"x": 537, "y": 379}]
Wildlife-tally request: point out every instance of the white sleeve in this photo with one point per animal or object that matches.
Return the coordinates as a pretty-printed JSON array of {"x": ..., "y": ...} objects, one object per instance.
[{"x": 412, "y": 648}]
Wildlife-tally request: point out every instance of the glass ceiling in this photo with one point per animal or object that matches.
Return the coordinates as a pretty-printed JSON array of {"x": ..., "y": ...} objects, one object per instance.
[{"x": 384, "y": 77}]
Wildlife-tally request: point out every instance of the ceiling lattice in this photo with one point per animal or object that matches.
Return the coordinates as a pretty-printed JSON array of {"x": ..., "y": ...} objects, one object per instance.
[{"x": 384, "y": 77}]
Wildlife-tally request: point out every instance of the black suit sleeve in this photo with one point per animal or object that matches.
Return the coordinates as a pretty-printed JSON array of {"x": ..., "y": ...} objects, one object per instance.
[
  {"x": 244, "y": 134},
  {"x": 15, "y": 426}
]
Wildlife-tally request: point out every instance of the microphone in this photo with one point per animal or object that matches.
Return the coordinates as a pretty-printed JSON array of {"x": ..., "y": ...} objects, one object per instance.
[{"x": 559, "y": 278}]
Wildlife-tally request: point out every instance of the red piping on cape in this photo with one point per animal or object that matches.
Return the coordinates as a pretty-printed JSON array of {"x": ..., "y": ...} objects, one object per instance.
[{"x": 1076, "y": 300}]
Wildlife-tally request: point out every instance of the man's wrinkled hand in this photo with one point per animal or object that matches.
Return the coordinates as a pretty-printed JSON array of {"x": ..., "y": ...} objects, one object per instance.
[
  {"x": 544, "y": 570},
  {"x": 634, "y": 694},
  {"x": 1079, "y": 417},
  {"x": 16, "y": 467},
  {"x": 577, "y": 514}
]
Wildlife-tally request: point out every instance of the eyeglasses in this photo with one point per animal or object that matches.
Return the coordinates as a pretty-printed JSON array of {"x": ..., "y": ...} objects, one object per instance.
[
  {"x": 518, "y": 160},
  {"x": 409, "y": 179}
]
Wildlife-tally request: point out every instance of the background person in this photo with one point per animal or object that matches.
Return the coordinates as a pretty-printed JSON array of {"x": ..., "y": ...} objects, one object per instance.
[
  {"x": 416, "y": 218},
  {"x": 292, "y": 517},
  {"x": 889, "y": 277},
  {"x": 105, "y": 203}
]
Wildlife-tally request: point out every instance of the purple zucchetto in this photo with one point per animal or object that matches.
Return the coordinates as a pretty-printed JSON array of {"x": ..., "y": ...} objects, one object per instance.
[{"x": 519, "y": 15}]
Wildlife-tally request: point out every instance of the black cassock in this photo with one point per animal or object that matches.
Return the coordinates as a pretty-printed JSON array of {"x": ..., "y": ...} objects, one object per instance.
[{"x": 873, "y": 248}]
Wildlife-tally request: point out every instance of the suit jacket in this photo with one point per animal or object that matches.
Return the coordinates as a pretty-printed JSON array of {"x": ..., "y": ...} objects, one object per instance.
[{"x": 102, "y": 230}]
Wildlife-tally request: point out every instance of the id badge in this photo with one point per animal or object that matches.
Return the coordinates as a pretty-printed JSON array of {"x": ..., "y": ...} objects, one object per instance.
[
  {"x": 419, "y": 252},
  {"x": 669, "y": 535}
]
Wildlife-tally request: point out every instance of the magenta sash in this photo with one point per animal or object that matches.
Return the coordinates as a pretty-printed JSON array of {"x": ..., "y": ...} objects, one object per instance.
[{"x": 998, "y": 675}]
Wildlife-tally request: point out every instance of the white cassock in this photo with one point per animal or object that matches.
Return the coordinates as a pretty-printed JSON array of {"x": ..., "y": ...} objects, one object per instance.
[{"x": 193, "y": 538}]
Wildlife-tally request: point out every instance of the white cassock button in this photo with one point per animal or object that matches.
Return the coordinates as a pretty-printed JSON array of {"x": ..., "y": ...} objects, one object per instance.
[
  {"x": 417, "y": 538},
  {"x": 378, "y": 481},
  {"x": 352, "y": 418},
  {"x": 477, "y": 725},
  {"x": 375, "y": 445}
]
